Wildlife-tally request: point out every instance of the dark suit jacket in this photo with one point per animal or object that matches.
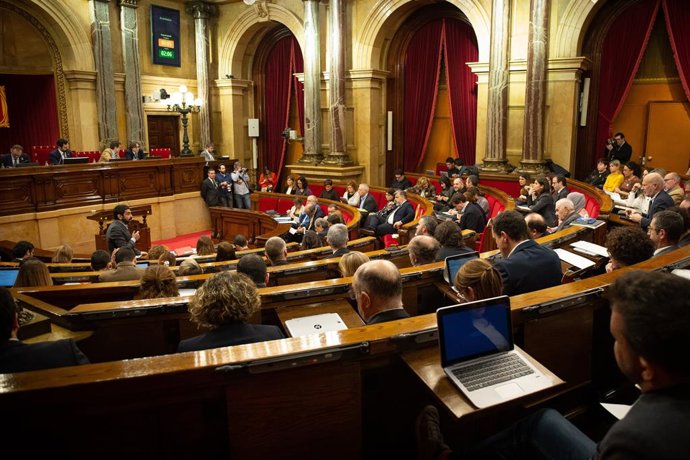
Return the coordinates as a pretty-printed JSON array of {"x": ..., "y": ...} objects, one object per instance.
[
  {"x": 388, "y": 315},
  {"x": 447, "y": 251},
  {"x": 210, "y": 192},
  {"x": 340, "y": 252},
  {"x": 567, "y": 222},
  {"x": 473, "y": 218},
  {"x": 665, "y": 250},
  {"x": 7, "y": 160},
  {"x": 661, "y": 202},
  {"x": 118, "y": 236},
  {"x": 403, "y": 213},
  {"x": 17, "y": 356},
  {"x": 369, "y": 204},
  {"x": 130, "y": 155},
  {"x": 330, "y": 195},
  {"x": 622, "y": 153},
  {"x": 55, "y": 157},
  {"x": 529, "y": 268},
  {"x": 560, "y": 195},
  {"x": 231, "y": 334},
  {"x": 401, "y": 185},
  {"x": 544, "y": 205}
]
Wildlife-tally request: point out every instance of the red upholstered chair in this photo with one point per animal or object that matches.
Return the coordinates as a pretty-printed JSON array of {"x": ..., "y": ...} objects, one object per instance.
[
  {"x": 165, "y": 152},
  {"x": 283, "y": 205},
  {"x": 440, "y": 167},
  {"x": 388, "y": 241},
  {"x": 592, "y": 207},
  {"x": 316, "y": 189},
  {"x": 268, "y": 203}
]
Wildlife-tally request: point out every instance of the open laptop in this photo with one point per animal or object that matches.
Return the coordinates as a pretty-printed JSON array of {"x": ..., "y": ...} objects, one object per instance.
[
  {"x": 8, "y": 276},
  {"x": 454, "y": 263},
  {"x": 74, "y": 160},
  {"x": 315, "y": 324},
  {"x": 478, "y": 354}
]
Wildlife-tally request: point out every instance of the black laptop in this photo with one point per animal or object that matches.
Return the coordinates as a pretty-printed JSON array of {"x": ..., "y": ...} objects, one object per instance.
[{"x": 75, "y": 160}]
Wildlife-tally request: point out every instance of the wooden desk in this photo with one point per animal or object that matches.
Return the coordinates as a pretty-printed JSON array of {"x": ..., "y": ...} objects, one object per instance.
[
  {"x": 342, "y": 308},
  {"x": 426, "y": 363},
  {"x": 256, "y": 226}
]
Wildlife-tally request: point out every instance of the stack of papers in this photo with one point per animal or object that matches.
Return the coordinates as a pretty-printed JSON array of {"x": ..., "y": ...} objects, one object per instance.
[
  {"x": 588, "y": 248},
  {"x": 573, "y": 259}
]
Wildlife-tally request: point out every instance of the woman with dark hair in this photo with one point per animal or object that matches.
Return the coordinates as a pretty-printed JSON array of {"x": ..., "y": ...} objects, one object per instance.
[
  {"x": 296, "y": 209},
  {"x": 541, "y": 201},
  {"x": 443, "y": 197},
  {"x": 350, "y": 196},
  {"x": 168, "y": 259},
  {"x": 290, "y": 188},
  {"x": 310, "y": 240},
  {"x": 225, "y": 251},
  {"x": 523, "y": 180},
  {"x": 303, "y": 187},
  {"x": 267, "y": 180},
  {"x": 448, "y": 234},
  {"x": 627, "y": 245},
  {"x": 631, "y": 176},
  {"x": 32, "y": 273},
  {"x": 158, "y": 282},
  {"x": 204, "y": 246}
]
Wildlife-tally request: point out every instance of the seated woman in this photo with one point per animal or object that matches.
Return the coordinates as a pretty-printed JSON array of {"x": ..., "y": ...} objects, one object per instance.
[
  {"x": 168, "y": 259},
  {"x": 579, "y": 202},
  {"x": 350, "y": 196},
  {"x": 425, "y": 188},
  {"x": 290, "y": 188},
  {"x": 156, "y": 251},
  {"x": 348, "y": 265},
  {"x": 627, "y": 245},
  {"x": 443, "y": 197},
  {"x": 380, "y": 216},
  {"x": 615, "y": 178},
  {"x": 296, "y": 209},
  {"x": 477, "y": 280},
  {"x": 189, "y": 267},
  {"x": 267, "y": 180},
  {"x": 310, "y": 240},
  {"x": 448, "y": 235},
  {"x": 303, "y": 187},
  {"x": 63, "y": 255},
  {"x": 541, "y": 201},
  {"x": 225, "y": 251},
  {"x": 524, "y": 181},
  {"x": 631, "y": 176},
  {"x": 223, "y": 305},
  {"x": 33, "y": 273},
  {"x": 204, "y": 246},
  {"x": 158, "y": 282}
]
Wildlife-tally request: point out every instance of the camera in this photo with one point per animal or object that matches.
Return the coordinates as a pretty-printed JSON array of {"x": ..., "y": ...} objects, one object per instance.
[{"x": 611, "y": 141}]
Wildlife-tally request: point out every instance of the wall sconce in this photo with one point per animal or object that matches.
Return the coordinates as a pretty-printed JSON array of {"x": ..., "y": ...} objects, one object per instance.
[{"x": 290, "y": 135}]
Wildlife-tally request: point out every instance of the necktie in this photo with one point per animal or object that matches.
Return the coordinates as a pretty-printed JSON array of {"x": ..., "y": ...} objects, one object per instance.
[{"x": 14, "y": 161}]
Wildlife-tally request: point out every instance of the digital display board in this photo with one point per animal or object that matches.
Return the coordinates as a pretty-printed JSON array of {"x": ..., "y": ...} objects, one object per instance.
[{"x": 165, "y": 36}]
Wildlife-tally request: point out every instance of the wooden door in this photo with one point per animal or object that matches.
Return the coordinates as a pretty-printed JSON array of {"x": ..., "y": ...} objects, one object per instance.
[{"x": 164, "y": 131}]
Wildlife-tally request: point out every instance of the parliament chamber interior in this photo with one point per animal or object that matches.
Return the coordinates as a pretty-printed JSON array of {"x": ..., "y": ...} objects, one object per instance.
[{"x": 241, "y": 122}]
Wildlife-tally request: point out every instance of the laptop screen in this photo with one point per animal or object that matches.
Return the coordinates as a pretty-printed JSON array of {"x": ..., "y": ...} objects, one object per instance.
[
  {"x": 454, "y": 263},
  {"x": 8, "y": 276},
  {"x": 142, "y": 264},
  {"x": 73, "y": 160},
  {"x": 474, "y": 329}
]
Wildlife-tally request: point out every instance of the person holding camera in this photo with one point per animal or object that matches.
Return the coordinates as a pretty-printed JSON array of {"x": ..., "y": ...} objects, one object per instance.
[
  {"x": 240, "y": 180},
  {"x": 618, "y": 149}
]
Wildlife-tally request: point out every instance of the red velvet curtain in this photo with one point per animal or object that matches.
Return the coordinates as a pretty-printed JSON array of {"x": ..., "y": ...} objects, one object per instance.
[
  {"x": 677, "y": 21},
  {"x": 422, "y": 67},
  {"x": 32, "y": 109},
  {"x": 278, "y": 84},
  {"x": 460, "y": 48},
  {"x": 622, "y": 52}
]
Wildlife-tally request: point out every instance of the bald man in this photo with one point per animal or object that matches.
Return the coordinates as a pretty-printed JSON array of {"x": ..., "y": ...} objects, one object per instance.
[
  {"x": 653, "y": 187},
  {"x": 423, "y": 249},
  {"x": 378, "y": 290}
]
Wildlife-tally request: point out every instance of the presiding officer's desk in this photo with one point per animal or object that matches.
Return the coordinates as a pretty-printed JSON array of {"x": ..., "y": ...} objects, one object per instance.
[{"x": 299, "y": 397}]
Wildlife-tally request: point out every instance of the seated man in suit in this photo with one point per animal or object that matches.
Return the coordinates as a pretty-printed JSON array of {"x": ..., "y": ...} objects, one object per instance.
[
  {"x": 558, "y": 188},
  {"x": 653, "y": 187},
  {"x": 565, "y": 212},
  {"x": 276, "y": 251},
  {"x": 337, "y": 240},
  {"x": 57, "y": 156},
  {"x": 135, "y": 152},
  {"x": 536, "y": 225},
  {"x": 255, "y": 268},
  {"x": 15, "y": 157},
  {"x": 118, "y": 235},
  {"x": 223, "y": 305},
  {"x": 125, "y": 268},
  {"x": 423, "y": 249},
  {"x": 650, "y": 319},
  {"x": 526, "y": 266},
  {"x": 470, "y": 215},
  {"x": 16, "y": 356},
  {"x": 366, "y": 201},
  {"x": 427, "y": 226},
  {"x": 399, "y": 216},
  {"x": 318, "y": 212},
  {"x": 672, "y": 186},
  {"x": 665, "y": 231},
  {"x": 400, "y": 182},
  {"x": 111, "y": 153},
  {"x": 377, "y": 286}
]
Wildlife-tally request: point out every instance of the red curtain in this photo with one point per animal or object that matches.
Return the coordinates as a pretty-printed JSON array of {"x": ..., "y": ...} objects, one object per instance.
[
  {"x": 32, "y": 109},
  {"x": 422, "y": 67},
  {"x": 622, "y": 52},
  {"x": 298, "y": 67},
  {"x": 460, "y": 48},
  {"x": 677, "y": 20}
]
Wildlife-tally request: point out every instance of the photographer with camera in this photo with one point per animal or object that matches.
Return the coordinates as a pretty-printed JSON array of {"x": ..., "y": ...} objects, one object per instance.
[
  {"x": 240, "y": 180},
  {"x": 618, "y": 149}
]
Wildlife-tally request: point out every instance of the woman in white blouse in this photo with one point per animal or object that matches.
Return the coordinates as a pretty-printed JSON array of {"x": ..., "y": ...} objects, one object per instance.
[{"x": 351, "y": 196}]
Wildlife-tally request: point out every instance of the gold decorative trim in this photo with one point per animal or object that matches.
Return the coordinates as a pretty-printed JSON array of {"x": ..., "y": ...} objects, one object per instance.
[{"x": 57, "y": 58}]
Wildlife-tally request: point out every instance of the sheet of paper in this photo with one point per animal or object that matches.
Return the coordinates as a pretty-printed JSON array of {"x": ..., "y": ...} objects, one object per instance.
[
  {"x": 591, "y": 247},
  {"x": 682, "y": 273},
  {"x": 617, "y": 410},
  {"x": 573, "y": 259},
  {"x": 292, "y": 231}
]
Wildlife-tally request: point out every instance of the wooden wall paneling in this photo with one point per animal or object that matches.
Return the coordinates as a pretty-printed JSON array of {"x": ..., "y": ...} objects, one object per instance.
[{"x": 18, "y": 194}]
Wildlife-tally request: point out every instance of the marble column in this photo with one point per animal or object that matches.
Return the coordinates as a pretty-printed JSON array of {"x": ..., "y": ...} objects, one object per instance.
[
  {"x": 134, "y": 106},
  {"x": 105, "y": 79},
  {"x": 497, "y": 111},
  {"x": 535, "y": 88},
  {"x": 312, "y": 84},
  {"x": 201, "y": 11},
  {"x": 337, "y": 110}
]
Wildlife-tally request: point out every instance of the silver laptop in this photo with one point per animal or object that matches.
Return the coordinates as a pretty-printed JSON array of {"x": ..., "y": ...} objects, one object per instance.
[
  {"x": 478, "y": 353},
  {"x": 315, "y": 324},
  {"x": 454, "y": 263}
]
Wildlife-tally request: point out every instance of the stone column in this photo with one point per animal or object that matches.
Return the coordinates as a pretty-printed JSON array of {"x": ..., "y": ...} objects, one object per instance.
[
  {"x": 105, "y": 78},
  {"x": 312, "y": 84},
  {"x": 336, "y": 86},
  {"x": 201, "y": 11},
  {"x": 130, "y": 54},
  {"x": 535, "y": 88},
  {"x": 497, "y": 111}
]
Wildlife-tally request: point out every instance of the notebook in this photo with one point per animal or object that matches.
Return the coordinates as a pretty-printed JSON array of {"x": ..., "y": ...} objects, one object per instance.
[
  {"x": 454, "y": 263},
  {"x": 315, "y": 324},
  {"x": 478, "y": 354},
  {"x": 8, "y": 276}
]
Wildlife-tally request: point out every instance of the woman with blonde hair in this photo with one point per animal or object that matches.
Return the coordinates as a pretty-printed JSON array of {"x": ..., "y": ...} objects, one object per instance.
[
  {"x": 223, "y": 305},
  {"x": 63, "y": 255},
  {"x": 204, "y": 246},
  {"x": 425, "y": 188},
  {"x": 33, "y": 273},
  {"x": 350, "y": 262},
  {"x": 158, "y": 281},
  {"x": 477, "y": 280}
]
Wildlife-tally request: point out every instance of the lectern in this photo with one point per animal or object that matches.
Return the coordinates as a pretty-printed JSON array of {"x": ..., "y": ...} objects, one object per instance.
[{"x": 104, "y": 219}]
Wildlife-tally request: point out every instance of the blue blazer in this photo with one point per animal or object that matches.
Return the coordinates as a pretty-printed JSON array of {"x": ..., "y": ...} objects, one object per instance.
[
  {"x": 17, "y": 356},
  {"x": 662, "y": 202},
  {"x": 55, "y": 157},
  {"x": 7, "y": 160},
  {"x": 529, "y": 268},
  {"x": 231, "y": 334}
]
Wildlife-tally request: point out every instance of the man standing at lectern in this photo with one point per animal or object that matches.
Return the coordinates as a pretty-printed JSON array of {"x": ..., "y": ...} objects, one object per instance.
[{"x": 118, "y": 235}]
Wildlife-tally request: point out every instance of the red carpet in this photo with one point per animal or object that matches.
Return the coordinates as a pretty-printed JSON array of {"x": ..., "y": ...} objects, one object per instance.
[{"x": 181, "y": 241}]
